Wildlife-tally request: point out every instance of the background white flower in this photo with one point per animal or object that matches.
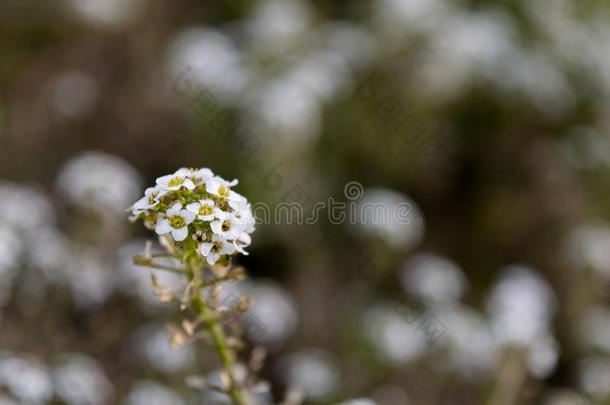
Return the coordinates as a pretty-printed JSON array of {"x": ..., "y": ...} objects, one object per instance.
[
  {"x": 26, "y": 378},
  {"x": 80, "y": 380},
  {"x": 152, "y": 393},
  {"x": 99, "y": 182}
]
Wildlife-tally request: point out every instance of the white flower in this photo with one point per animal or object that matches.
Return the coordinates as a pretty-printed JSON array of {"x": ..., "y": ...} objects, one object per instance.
[
  {"x": 205, "y": 206},
  {"x": 24, "y": 208},
  {"x": 215, "y": 249},
  {"x": 204, "y": 209},
  {"x": 243, "y": 214},
  {"x": 90, "y": 280},
  {"x": 150, "y": 199},
  {"x": 314, "y": 371},
  {"x": 392, "y": 216},
  {"x": 220, "y": 187},
  {"x": 80, "y": 380},
  {"x": 242, "y": 241},
  {"x": 394, "y": 341},
  {"x": 176, "y": 222},
  {"x": 202, "y": 175},
  {"x": 152, "y": 339},
  {"x": 197, "y": 176},
  {"x": 26, "y": 378},
  {"x": 226, "y": 225},
  {"x": 148, "y": 392},
  {"x": 177, "y": 180},
  {"x": 359, "y": 401},
  {"x": 184, "y": 172},
  {"x": 521, "y": 304},
  {"x": 236, "y": 198},
  {"x": 100, "y": 182}
]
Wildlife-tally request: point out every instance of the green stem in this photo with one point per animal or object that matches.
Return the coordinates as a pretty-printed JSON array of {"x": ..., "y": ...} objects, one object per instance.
[
  {"x": 142, "y": 262},
  {"x": 168, "y": 255},
  {"x": 219, "y": 339}
]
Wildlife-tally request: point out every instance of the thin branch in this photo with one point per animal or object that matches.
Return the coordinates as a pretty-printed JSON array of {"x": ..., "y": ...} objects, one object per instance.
[{"x": 144, "y": 262}]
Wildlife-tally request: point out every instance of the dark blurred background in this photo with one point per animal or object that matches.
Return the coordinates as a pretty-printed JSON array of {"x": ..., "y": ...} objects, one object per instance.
[{"x": 486, "y": 118}]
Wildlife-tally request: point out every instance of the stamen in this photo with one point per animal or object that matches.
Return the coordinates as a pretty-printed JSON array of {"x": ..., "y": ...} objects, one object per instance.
[
  {"x": 224, "y": 191},
  {"x": 176, "y": 181},
  {"x": 205, "y": 210},
  {"x": 177, "y": 222}
]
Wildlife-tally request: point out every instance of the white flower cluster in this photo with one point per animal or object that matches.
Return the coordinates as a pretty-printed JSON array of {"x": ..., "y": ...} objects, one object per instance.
[{"x": 198, "y": 203}]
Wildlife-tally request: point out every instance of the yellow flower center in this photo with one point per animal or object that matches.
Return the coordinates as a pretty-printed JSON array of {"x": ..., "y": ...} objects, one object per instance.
[
  {"x": 151, "y": 197},
  {"x": 226, "y": 225},
  {"x": 176, "y": 181},
  {"x": 224, "y": 191},
  {"x": 176, "y": 221},
  {"x": 216, "y": 247},
  {"x": 206, "y": 210}
]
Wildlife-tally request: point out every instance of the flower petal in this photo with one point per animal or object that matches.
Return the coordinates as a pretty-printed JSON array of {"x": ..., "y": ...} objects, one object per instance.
[
  {"x": 180, "y": 234},
  {"x": 163, "y": 227},
  {"x": 212, "y": 185},
  {"x": 220, "y": 214},
  {"x": 236, "y": 197},
  {"x": 234, "y": 232},
  {"x": 188, "y": 183},
  {"x": 163, "y": 180},
  {"x": 188, "y": 216},
  {"x": 228, "y": 248},
  {"x": 174, "y": 210},
  {"x": 204, "y": 174},
  {"x": 182, "y": 172},
  {"x": 142, "y": 203},
  {"x": 213, "y": 258},
  {"x": 193, "y": 207},
  {"x": 245, "y": 238},
  {"x": 216, "y": 226},
  {"x": 205, "y": 247},
  {"x": 240, "y": 249}
]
